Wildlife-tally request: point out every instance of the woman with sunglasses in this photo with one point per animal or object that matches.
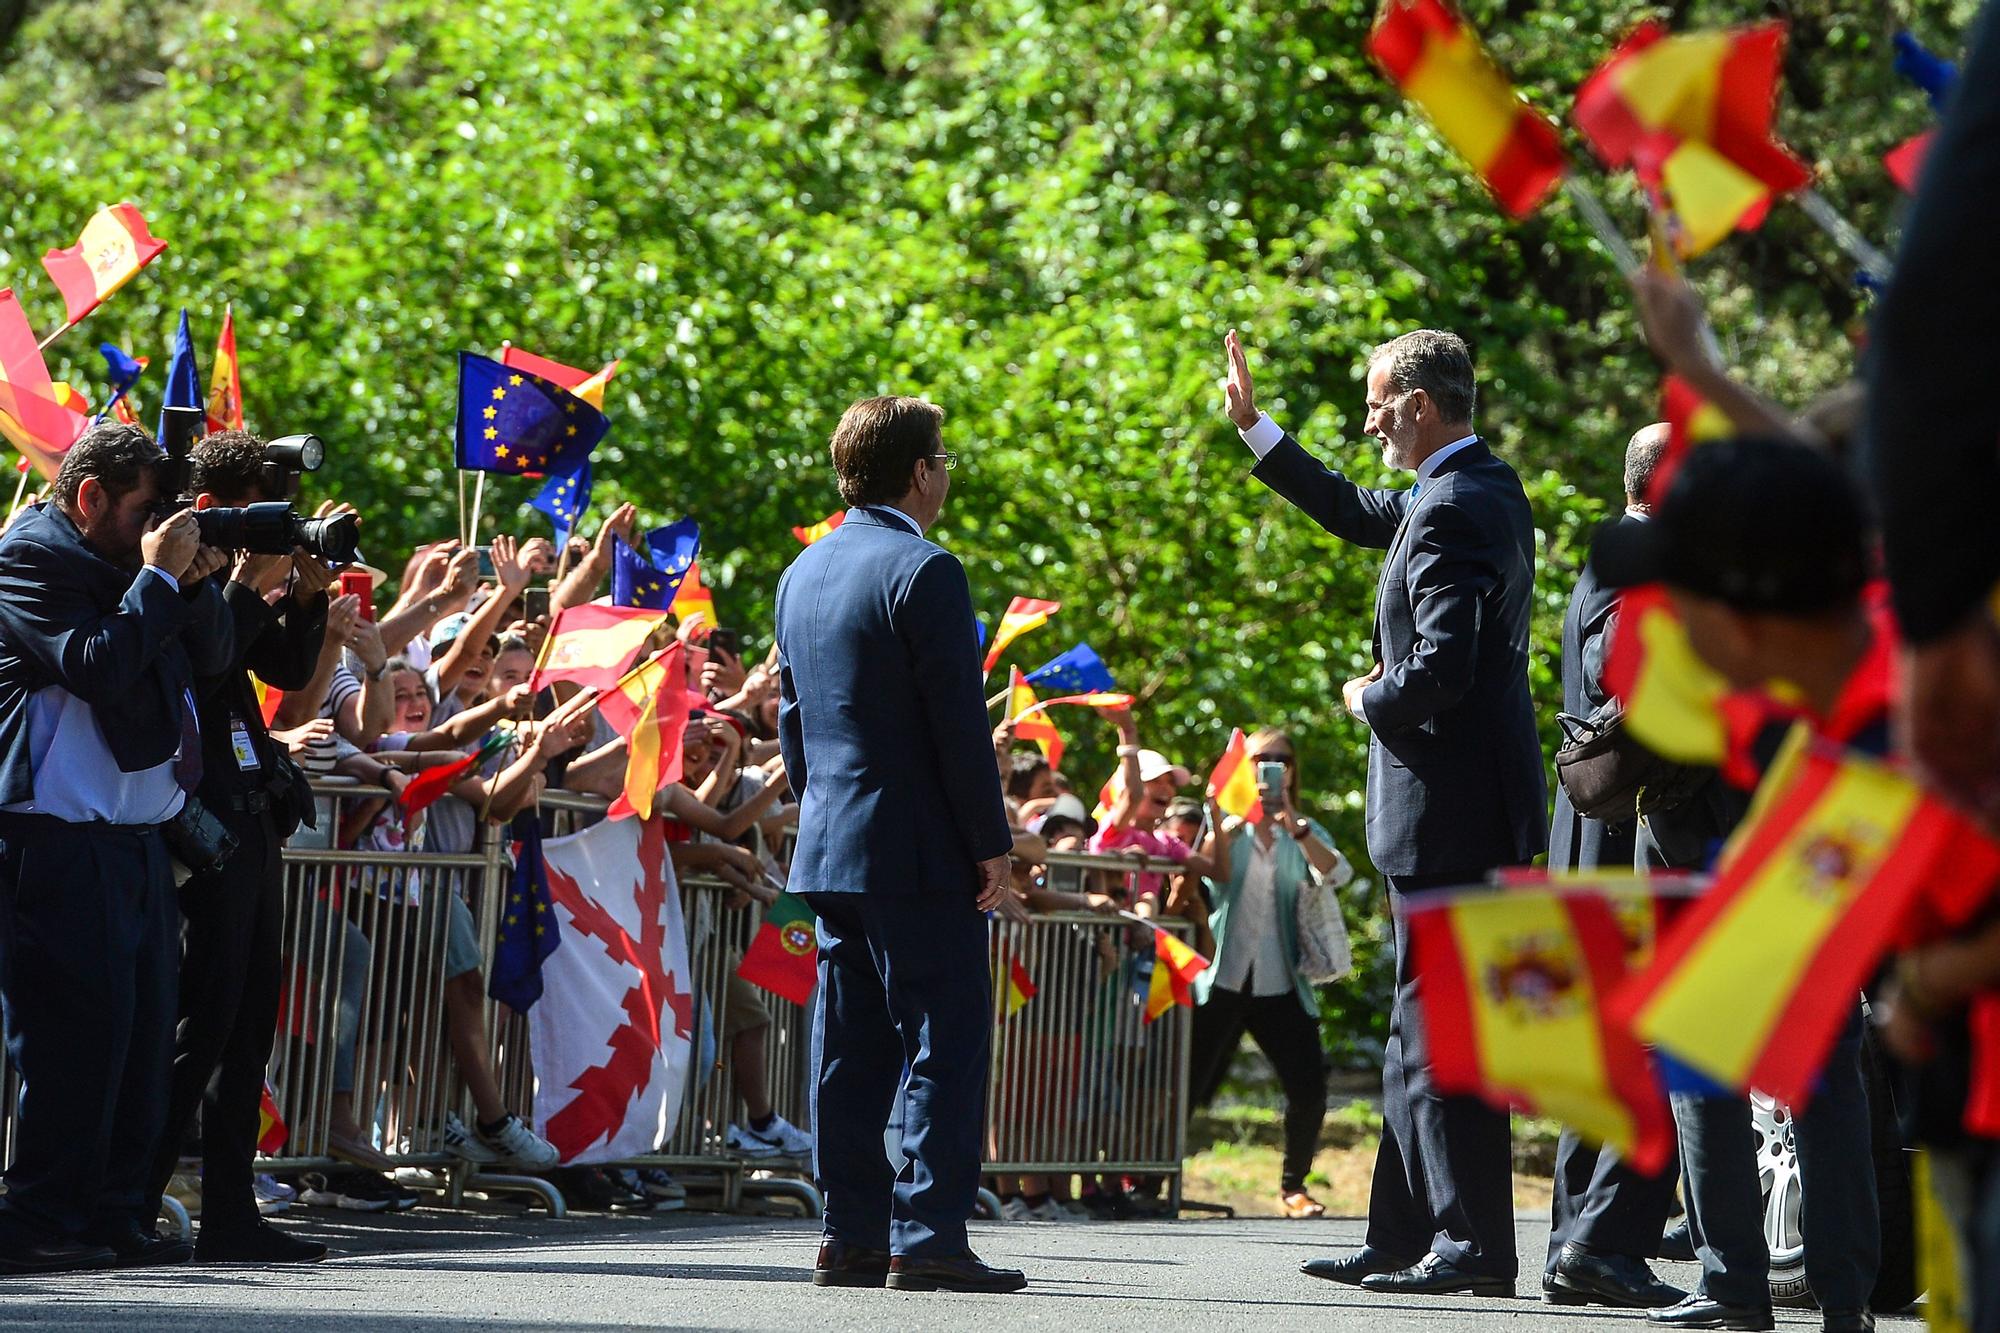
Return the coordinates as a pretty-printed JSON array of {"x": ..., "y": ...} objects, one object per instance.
[{"x": 1254, "y": 984}]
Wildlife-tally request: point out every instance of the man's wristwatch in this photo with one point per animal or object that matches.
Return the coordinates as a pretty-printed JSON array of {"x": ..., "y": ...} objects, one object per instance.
[{"x": 379, "y": 672}]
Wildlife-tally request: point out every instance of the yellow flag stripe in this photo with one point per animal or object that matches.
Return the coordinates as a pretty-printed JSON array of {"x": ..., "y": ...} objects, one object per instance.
[{"x": 1673, "y": 708}]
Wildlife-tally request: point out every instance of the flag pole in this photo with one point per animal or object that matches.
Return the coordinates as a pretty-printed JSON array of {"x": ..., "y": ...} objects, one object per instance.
[
  {"x": 1592, "y": 210},
  {"x": 42, "y": 346},
  {"x": 20, "y": 489},
  {"x": 1857, "y": 247},
  {"x": 461, "y": 509},
  {"x": 478, "y": 498}
]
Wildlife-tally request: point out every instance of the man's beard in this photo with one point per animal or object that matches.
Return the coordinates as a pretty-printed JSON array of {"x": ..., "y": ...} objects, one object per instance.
[{"x": 1395, "y": 455}]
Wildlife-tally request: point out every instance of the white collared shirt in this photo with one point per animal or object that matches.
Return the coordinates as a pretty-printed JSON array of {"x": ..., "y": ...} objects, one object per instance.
[
  {"x": 1252, "y": 956},
  {"x": 915, "y": 526},
  {"x": 76, "y": 778},
  {"x": 1428, "y": 468},
  {"x": 1264, "y": 434}
]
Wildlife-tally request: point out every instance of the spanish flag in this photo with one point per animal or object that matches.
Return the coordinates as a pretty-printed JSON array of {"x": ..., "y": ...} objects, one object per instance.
[
  {"x": 1691, "y": 420},
  {"x": 1514, "y": 984},
  {"x": 693, "y": 598},
  {"x": 1023, "y": 614},
  {"x": 1020, "y": 988},
  {"x": 1234, "y": 782},
  {"x": 1096, "y": 699},
  {"x": 38, "y": 417},
  {"x": 1692, "y": 115},
  {"x": 1751, "y": 986},
  {"x": 269, "y": 699},
  {"x": 808, "y": 535},
  {"x": 1437, "y": 61},
  {"x": 114, "y": 246},
  {"x": 1175, "y": 966},
  {"x": 1673, "y": 700},
  {"x": 595, "y": 645},
  {"x": 585, "y": 384},
  {"x": 648, "y": 709},
  {"x": 225, "y": 385},
  {"x": 271, "y": 1130},
  {"x": 1029, "y": 726},
  {"x": 1905, "y": 161}
]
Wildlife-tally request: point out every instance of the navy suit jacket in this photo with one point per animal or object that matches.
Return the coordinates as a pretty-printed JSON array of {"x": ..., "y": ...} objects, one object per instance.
[
  {"x": 1576, "y": 843},
  {"x": 1455, "y": 780},
  {"x": 128, "y": 645},
  {"x": 882, "y": 716}
]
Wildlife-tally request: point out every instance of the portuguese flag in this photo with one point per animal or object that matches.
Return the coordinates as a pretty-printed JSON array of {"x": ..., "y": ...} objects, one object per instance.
[{"x": 784, "y": 958}]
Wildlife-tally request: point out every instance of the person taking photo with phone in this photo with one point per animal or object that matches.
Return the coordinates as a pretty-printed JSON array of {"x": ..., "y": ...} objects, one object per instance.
[{"x": 1255, "y": 984}]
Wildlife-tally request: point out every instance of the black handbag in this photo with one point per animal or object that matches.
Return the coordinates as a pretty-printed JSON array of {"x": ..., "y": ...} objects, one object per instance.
[
  {"x": 1609, "y": 774},
  {"x": 197, "y": 839}
]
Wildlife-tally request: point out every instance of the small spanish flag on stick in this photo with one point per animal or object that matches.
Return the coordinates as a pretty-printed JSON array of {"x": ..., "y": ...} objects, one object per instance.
[
  {"x": 1437, "y": 61},
  {"x": 1673, "y": 700},
  {"x": 595, "y": 645},
  {"x": 1234, "y": 782},
  {"x": 114, "y": 246},
  {"x": 1751, "y": 986},
  {"x": 1514, "y": 982},
  {"x": 1175, "y": 966},
  {"x": 1023, "y": 614},
  {"x": 694, "y": 598},
  {"x": 1020, "y": 988},
  {"x": 648, "y": 710},
  {"x": 1028, "y": 724},
  {"x": 271, "y": 1130},
  {"x": 225, "y": 382},
  {"x": 808, "y": 535}
]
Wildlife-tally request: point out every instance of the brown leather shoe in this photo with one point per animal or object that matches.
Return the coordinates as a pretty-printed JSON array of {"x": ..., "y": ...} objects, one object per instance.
[
  {"x": 1299, "y": 1204},
  {"x": 963, "y": 1273},
  {"x": 843, "y": 1265}
]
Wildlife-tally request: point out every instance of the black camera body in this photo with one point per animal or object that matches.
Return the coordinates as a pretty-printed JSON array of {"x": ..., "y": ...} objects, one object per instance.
[{"x": 272, "y": 527}]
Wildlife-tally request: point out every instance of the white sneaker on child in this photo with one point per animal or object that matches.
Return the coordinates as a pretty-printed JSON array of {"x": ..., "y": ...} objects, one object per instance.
[
  {"x": 780, "y": 1138},
  {"x": 517, "y": 1145},
  {"x": 458, "y": 1140}
]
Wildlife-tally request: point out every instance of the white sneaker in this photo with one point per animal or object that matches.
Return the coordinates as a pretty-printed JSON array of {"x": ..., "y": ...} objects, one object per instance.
[
  {"x": 741, "y": 1141},
  {"x": 273, "y": 1195},
  {"x": 1016, "y": 1210},
  {"x": 458, "y": 1141},
  {"x": 1048, "y": 1210},
  {"x": 781, "y": 1138},
  {"x": 517, "y": 1145}
]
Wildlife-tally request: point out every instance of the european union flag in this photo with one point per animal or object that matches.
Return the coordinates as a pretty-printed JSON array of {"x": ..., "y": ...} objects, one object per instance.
[
  {"x": 564, "y": 499},
  {"x": 122, "y": 369},
  {"x": 183, "y": 381},
  {"x": 513, "y": 422},
  {"x": 528, "y": 931},
  {"x": 1078, "y": 671},
  {"x": 653, "y": 579},
  {"x": 675, "y": 547}
]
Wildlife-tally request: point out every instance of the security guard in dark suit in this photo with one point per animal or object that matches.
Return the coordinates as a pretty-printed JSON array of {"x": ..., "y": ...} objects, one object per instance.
[{"x": 230, "y": 960}]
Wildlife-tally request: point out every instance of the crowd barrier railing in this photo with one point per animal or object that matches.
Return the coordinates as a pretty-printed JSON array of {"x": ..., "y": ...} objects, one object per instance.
[{"x": 364, "y": 1046}]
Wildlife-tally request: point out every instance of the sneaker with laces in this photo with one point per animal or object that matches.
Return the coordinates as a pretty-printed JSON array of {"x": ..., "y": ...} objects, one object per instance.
[
  {"x": 1016, "y": 1209},
  {"x": 273, "y": 1195},
  {"x": 350, "y": 1191},
  {"x": 780, "y": 1138},
  {"x": 459, "y": 1141},
  {"x": 666, "y": 1193},
  {"x": 514, "y": 1144},
  {"x": 742, "y": 1142}
]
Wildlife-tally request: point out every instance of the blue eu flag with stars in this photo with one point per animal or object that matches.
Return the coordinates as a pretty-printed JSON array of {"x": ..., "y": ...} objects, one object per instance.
[
  {"x": 183, "y": 380},
  {"x": 528, "y": 931},
  {"x": 563, "y": 499},
  {"x": 512, "y": 422},
  {"x": 651, "y": 579},
  {"x": 1078, "y": 671}
]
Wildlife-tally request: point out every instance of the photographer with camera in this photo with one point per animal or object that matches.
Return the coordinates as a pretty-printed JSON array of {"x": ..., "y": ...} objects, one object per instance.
[
  {"x": 231, "y": 975},
  {"x": 106, "y": 622}
]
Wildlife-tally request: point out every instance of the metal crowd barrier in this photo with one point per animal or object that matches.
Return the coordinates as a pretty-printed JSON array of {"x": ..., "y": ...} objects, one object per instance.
[{"x": 1080, "y": 1084}]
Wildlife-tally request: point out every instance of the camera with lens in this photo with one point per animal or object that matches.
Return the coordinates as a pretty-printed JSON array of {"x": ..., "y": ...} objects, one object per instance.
[{"x": 271, "y": 527}]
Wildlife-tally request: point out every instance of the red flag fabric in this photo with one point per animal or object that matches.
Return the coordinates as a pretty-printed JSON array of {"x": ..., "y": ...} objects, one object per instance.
[
  {"x": 114, "y": 246},
  {"x": 36, "y": 416},
  {"x": 595, "y": 645},
  {"x": 612, "y": 1037},
  {"x": 783, "y": 957},
  {"x": 1906, "y": 160},
  {"x": 808, "y": 535},
  {"x": 225, "y": 384},
  {"x": 649, "y": 709},
  {"x": 423, "y": 790}
]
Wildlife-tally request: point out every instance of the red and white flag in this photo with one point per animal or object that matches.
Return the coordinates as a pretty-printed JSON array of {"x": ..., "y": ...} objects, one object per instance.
[{"x": 613, "y": 1032}]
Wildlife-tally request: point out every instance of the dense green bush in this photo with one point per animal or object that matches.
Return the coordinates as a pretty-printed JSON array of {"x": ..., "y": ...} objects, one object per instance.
[{"x": 1042, "y": 216}]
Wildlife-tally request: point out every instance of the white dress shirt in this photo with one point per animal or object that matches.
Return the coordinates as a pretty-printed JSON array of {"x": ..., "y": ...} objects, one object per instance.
[
  {"x": 1264, "y": 434},
  {"x": 77, "y": 780}
]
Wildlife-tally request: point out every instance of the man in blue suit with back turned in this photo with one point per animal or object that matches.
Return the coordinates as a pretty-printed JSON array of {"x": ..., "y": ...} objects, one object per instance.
[
  {"x": 1455, "y": 786},
  {"x": 902, "y": 849}
]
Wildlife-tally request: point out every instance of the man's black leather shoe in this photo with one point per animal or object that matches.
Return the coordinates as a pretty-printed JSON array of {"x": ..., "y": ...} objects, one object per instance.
[
  {"x": 1434, "y": 1275},
  {"x": 1847, "y": 1321},
  {"x": 60, "y": 1256},
  {"x": 843, "y": 1265},
  {"x": 1351, "y": 1268},
  {"x": 148, "y": 1249},
  {"x": 1678, "y": 1244},
  {"x": 259, "y": 1243},
  {"x": 1607, "y": 1279},
  {"x": 1698, "y": 1311},
  {"x": 964, "y": 1273}
]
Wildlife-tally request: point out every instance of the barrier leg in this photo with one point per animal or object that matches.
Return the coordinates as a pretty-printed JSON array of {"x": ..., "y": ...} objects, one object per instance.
[
  {"x": 173, "y": 1208},
  {"x": 535, "y": 1185},
  {"x": 788, "y": 1187}
]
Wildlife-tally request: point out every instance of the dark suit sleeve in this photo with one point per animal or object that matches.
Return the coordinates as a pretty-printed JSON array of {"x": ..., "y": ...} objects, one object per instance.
[
  {"x": 210, "y": 635},
  {"x": 1357, "y": 514},
  {"x": 934, "y": 620},
  {"x": 791, "y": 732},
  {"x": 1598, "y": 614},
  {"x": 283, "y": 644},
  {"x": 1448, "y": 580},
  {"x": 97, "y": 656},
  {"x": 1933, "y": 418}
]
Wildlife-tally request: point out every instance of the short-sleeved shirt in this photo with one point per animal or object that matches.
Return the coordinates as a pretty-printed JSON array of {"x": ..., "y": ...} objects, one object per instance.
[{"x": 1159, "y": 846}]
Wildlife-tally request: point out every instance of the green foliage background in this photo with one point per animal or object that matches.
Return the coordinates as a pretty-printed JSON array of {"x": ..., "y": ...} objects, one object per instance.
[{"x": 1041, "y": 216}]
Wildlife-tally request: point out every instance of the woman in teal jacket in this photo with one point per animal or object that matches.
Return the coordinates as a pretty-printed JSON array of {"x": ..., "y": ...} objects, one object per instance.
[{"x": 1254, "y": 984}]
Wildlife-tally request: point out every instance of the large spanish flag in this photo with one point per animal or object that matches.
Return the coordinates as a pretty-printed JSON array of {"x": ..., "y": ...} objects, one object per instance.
[
  {"x": 1692, "y": 115},
  {"x": 1437, "y": 61},
  {"x": 1752, "y": 985},
  {"x": 648, "y": 708},
  {"x": 1032, "y": 726},
  {"x": 1023, "y": 614},
  {"x": 1514, "y": 984},
  {"x": 595, "y": 645},
  {"x": 1175, "y": 966},
  {"x": 1233, "y": 784},
  {"x": 225, "y": 382},
  {"x": 114, "y": 246},
  {"x": 37, "y": 416}
]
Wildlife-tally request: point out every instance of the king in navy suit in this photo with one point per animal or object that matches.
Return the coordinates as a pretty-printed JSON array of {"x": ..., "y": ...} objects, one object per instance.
[
  {"x": 1455, "y": 781},
  {"x": 902, "y": 850}
]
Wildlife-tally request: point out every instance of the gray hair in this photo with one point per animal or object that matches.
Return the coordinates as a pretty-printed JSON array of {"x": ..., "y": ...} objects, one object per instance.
[
  {"x": 1642, "y": 457},
  {"x": 1437, "y": 362}
]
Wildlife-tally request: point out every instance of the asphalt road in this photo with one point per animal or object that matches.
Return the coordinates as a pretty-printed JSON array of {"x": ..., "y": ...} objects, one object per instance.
[{"x": 436, "y": 1270}]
